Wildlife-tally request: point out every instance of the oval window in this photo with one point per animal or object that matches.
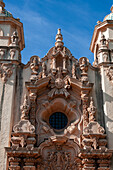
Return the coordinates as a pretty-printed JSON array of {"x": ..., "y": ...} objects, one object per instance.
[{"x": 58, "y": 120}]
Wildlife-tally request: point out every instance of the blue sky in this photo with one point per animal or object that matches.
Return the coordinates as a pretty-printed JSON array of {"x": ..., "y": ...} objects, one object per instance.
[{"x": 41, "y": 18}]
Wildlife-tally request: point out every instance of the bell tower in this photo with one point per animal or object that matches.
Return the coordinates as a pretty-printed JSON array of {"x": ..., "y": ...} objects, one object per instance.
[
  {"x": 102, "y": 47},
  {"x": 11, "y": 45}
]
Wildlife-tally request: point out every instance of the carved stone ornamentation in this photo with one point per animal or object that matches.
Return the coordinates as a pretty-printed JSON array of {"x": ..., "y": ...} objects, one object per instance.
[
  {"x": 14, "y": 39},
  {"x": 93, "y": 132},
  {"x": 59, "y": 157},
  {"x": 59, "y": 85},
  {"x": 110, "y": 73},
  {"x": 6, "y": 71},
  {"x": 59, "y": 160},
  {"x": 12, "y": 53},
  {"x": 84, "y": 68},
  {"x": 92, "y": 111},
  {"x": 24, "y": 126},
  {"x": 34, "y": 67},
  {"x": 25, "y": 108},
  {"x": 58, "y": 129},
  {"x": 93, "y": 126},
  {"x": 84, "y": 97},
  {"x": 32, "y": 97}
]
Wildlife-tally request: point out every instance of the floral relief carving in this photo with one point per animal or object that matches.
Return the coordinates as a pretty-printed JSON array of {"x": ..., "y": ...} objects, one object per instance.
[
  {"x": 59, "y": 85},
  {"x": 6, "y": 71}
]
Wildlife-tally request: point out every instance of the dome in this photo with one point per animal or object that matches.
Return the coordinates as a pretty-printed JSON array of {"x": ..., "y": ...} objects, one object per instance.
[{"x": 109, "y": 16}]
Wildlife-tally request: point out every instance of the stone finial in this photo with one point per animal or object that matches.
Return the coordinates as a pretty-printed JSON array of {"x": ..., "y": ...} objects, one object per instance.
[
  {"x": 59, "y": 43},
  {"x": 111, "y": 9}
]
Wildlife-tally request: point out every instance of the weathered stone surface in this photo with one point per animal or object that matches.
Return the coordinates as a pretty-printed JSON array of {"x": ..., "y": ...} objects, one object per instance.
[{"x": 55, "y": 112}]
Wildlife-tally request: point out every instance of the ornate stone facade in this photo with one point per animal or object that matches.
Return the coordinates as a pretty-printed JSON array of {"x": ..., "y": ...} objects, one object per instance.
[{"x": 53, "y": 110}]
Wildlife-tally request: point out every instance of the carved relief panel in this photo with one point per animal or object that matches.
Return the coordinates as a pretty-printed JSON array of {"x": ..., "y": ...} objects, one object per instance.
[{"x": 59, "y": 153}]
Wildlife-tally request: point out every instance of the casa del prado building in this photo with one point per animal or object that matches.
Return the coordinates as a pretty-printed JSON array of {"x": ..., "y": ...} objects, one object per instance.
[{"x": 56, "y": 113}]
